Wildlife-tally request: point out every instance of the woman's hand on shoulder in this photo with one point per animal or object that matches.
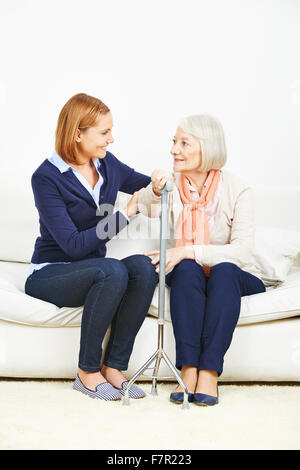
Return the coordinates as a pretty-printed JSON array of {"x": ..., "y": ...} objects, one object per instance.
[{"x": 159, "y": 178}]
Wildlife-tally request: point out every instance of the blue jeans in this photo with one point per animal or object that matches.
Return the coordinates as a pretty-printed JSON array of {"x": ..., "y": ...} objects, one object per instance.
[
  {"x": 205, "y": 311},
  {"x": 116, "y": 292}
]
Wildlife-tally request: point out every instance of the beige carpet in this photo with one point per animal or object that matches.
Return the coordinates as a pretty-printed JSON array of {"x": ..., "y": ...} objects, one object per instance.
[{"x": 50, "y": 415}]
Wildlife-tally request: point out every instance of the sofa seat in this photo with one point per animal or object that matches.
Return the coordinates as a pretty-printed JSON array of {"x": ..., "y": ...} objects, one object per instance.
[{"x": 17, "y": 307}]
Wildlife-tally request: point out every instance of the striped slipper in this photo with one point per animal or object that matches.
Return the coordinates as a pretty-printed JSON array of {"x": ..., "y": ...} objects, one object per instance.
[
  {"x": 104, "y": 391},
  {"x": 134, "y": 392}
]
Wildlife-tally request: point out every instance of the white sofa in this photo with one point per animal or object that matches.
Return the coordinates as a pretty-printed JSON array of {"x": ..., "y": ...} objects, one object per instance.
[{"x": 40, "y": 340}]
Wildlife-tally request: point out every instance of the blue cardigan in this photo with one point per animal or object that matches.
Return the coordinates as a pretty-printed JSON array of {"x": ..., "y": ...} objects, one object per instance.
[{"x": 71, "y": 226}]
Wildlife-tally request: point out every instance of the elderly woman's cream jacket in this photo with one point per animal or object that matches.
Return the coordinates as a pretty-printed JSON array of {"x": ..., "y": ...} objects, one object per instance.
[{"x": 232, "y": 235}]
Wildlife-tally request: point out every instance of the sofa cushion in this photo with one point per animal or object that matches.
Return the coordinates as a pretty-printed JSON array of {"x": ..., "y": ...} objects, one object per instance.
[
  {"x": 18, "y": 307},
  {"x": 274, "y": 253}
]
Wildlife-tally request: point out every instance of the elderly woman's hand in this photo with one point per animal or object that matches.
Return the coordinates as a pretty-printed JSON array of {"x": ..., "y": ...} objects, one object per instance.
[
  {"x": 173, "y": 256},
  {"x": 159, "y": 179}
]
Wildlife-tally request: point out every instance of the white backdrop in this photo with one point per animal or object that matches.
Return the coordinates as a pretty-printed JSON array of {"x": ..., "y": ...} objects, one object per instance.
[{"x": 153, "y": 62}]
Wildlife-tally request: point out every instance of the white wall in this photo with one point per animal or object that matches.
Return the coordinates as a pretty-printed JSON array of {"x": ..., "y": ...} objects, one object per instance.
[{"x": 153, "y": 62}]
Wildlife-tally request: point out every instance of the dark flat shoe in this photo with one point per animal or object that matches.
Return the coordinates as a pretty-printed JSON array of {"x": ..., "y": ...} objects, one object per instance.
[
  {"x": 177, "y": 397},
  {"x": 205, "y": 400}
]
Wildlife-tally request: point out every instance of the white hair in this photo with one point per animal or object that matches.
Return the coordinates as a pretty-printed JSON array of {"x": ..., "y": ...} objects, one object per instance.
[{"x": 210, "y": 133}]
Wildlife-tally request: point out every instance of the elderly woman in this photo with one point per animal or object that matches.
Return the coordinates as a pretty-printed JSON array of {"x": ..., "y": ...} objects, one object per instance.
[
  {"x": 208, "y": 259},
  {"x": 74, "y": 190}
]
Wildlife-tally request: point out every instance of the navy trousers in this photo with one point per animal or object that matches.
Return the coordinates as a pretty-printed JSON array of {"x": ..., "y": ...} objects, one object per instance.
[{"x": 205, "y": 311}]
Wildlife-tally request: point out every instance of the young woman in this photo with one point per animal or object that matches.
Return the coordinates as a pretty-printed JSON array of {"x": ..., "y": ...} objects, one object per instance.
[
  {"x": 74, "y": 190},
  {"x": 208, "y": 261}
]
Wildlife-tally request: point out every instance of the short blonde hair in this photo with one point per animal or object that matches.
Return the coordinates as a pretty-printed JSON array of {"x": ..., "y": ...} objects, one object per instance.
[
  {"x": 80, "y": 112},
  {"x": 210, "y": 133}
]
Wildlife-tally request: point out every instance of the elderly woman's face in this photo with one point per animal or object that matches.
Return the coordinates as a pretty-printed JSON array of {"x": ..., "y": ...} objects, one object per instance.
[{"x": 186, "y": 152}]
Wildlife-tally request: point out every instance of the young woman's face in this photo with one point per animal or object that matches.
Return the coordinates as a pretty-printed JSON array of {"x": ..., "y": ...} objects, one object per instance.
[
  {"x": 92, "y": 142},
  {"x": 186, "y": 152}
]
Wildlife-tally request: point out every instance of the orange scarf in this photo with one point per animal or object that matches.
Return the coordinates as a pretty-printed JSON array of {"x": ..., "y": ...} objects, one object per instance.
[{"x": 192, "y": 227}]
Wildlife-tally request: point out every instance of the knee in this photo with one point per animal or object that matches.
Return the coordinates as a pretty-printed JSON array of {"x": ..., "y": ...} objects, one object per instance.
[
  {"x": 188, "y": 269},
  {"x": 140, "y": 267},
  {"x": 113, "y": 272},
  {"x": 225, "y": 271},
  {"x": 186, "y": 265}
]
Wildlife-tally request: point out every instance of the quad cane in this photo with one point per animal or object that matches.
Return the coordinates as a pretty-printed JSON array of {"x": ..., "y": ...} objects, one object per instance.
[{"x": 160, "y": 353}]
